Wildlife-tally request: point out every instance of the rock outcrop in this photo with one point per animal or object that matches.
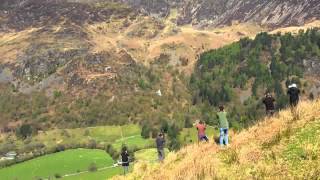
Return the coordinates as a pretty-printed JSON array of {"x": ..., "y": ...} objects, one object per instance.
[{"x": 273, "y": 13}]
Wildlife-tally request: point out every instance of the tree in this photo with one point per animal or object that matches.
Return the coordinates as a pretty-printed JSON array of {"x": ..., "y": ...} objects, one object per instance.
[
  {"x": 282, "y": 101},
  {"x": 24, "y": 131},
  {"x": 188, "y": 122},
  {"x": 145, "y": 131},
  {"x": 164, "y": 126},
  {"x": 278, "y": 88},
  {"x": 173, "y": 133}
]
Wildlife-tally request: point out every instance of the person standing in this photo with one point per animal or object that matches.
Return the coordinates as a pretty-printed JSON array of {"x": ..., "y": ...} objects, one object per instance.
[
  {"x": 125, "y": 160},
  {"x": 223, "y": 125},
  {"x": 160, "y": 142},
  {"x": 201, "y": 127},
  {"x": 268, "y": 101},
  {"x": 293, "y": 93}
]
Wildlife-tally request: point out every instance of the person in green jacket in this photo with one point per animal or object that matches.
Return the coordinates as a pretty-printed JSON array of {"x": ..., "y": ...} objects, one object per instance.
[{"x": 223, "y": 125}]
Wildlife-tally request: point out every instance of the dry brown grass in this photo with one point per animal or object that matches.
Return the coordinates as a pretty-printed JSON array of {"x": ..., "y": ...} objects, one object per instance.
[
  {"x": 296, "y": 29},
  {"x": 244, "y": 159},
  {"x": 188, "y": 43},
  {"x": 13, "y": 43}
]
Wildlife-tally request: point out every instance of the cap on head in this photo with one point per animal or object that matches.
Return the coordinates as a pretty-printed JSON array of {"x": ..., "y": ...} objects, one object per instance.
[{"x": 293, "y": 85}]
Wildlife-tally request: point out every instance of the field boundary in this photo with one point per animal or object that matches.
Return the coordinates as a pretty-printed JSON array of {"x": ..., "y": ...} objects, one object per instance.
[{"x": 83, "y": 172}]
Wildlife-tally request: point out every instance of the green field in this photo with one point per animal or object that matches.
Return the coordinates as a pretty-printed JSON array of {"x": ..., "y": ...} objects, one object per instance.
[
  {"x": 133, "y": 141},
  {"x": 99, "y": 175},
  {"x": 71, "y": 162},
  {"x": 78, "y": 160},
  {"x": 80, "y": 137},
  {"x": 150, "y": 155},
  {"x": 62, "y": 163}
]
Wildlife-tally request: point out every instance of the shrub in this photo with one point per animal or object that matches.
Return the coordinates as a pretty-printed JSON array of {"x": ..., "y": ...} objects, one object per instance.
[
  {"x": 110, "y": 150},
  {"x": 115, "y": 155},
  {"x": 92, "y": 144},
  {"x": 24, "y": 131},
  {"x": 174, "y": 144},
  {"x": 173, "y": 131},
  {"x": 86, "y": 132},
  {"x": 60, "y": 148},
  {"x": 143, "y": 84},
  {"x": 188, "y": 122},
  {"x": 57, "y": 94},
  {"x": 146, "y": 129},
  {"x": 92, "y": 167},
  {"x": 57, "y": 175},
  {"x": 4, "y": 148},
  {"x": 33, "y": 146}
]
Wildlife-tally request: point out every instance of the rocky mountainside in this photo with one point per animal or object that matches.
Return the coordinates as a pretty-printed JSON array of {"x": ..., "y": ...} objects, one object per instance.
[
  {"x": 85, "y": 62},
  {"x": 272, "y": 13},
  {"x": 32, "y": 13},
  {"x": 215, "y": 13}
]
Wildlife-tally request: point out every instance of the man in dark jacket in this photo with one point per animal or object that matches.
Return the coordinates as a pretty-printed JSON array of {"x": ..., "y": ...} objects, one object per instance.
[
  {"x": 125, "y": 160},
  {"x": 293, "y": 93},
  {"x": 268, "y": 101},
  {"x": 160, "y": 142}
]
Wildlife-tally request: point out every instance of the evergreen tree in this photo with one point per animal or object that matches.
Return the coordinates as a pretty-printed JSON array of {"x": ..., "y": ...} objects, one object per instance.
[{"x": 24, "y": 131}]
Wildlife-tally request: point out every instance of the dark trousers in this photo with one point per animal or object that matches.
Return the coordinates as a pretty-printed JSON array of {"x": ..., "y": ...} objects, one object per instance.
[
  {"x": 161, "y": 154},
  {"x": 269, "y": 112},
  {"x": 203, "y": 137}
]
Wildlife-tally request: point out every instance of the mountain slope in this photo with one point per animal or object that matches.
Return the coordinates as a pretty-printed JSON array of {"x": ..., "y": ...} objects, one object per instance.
[
  {"x": 267, "y": 13},
  {"x": 203, "y": 13},
  {"x": 283, "y": 146},
  {"x": 87, "y": 61},
  {"x": 97, "y": 62}
]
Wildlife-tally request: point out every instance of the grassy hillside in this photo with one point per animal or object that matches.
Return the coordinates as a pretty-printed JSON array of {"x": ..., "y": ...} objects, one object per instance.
[
  {"x": 241, "y": 73},
  {"x": 148, "y": 155},
  {"x": 280, "y": 147}
]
